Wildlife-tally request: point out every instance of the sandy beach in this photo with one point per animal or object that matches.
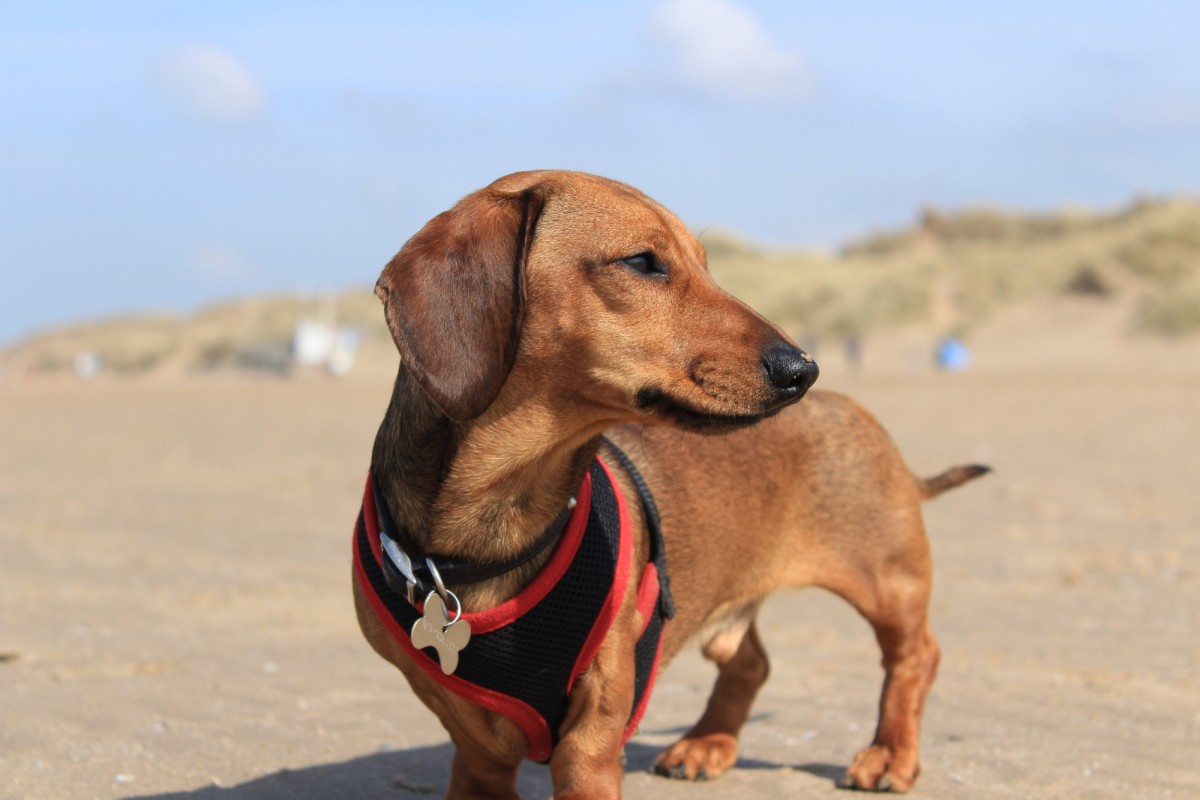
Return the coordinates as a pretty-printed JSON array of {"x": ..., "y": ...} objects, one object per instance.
[{"x": 176, "y": 618}]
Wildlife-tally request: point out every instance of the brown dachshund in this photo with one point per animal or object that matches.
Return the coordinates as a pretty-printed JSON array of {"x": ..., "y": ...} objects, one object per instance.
[{"x": 551, "y": 309}]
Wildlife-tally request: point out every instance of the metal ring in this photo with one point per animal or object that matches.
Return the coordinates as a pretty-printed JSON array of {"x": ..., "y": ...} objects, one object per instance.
[
  {"x": 457, "y": 607},
  {"x": 444, "y": 593},
  {"x": 437, "y": 578}
]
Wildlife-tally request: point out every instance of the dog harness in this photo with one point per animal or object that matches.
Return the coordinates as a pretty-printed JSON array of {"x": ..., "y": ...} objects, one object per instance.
[{"x": 525, "y": 654}]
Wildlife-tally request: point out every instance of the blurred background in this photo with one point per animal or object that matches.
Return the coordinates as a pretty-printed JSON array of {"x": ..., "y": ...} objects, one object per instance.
[
  {"x": 981, "y": 217},
  {"x": 851, "y": 166}
]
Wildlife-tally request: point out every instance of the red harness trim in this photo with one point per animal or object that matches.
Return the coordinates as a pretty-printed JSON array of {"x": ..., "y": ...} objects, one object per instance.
[
  {"x": 530, "y": 722},
  {"x": 647, "y": 606}
]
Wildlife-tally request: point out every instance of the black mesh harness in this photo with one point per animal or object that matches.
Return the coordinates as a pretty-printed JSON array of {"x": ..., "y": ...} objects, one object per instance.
[{"x": 524, "y": 655}]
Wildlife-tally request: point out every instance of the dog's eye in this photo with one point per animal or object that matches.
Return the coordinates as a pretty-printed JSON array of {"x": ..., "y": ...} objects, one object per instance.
[{"x": 644, "y": 263}]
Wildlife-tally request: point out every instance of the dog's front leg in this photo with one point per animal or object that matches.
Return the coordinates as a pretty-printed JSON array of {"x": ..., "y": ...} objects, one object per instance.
[
  {"x": 475, "y": 775},
  {"x": 587, "y": 761}
]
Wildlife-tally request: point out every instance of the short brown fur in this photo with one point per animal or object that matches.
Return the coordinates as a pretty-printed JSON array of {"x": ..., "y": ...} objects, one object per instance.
[{"x": 526, "y": 333}]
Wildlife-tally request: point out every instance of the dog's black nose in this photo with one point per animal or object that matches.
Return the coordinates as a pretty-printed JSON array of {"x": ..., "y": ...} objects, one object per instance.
[{"x": 790, "y": 370}]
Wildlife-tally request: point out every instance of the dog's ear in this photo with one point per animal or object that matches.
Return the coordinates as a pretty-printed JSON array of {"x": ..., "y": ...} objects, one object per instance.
[{"x": 454, "y": 298}]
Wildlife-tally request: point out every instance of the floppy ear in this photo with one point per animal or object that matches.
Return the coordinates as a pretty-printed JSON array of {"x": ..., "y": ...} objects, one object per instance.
[{"x": 454, "y": 298}]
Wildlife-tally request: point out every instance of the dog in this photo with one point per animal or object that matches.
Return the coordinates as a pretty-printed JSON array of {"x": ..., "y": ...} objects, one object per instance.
[{"x": 552, "y": 317}]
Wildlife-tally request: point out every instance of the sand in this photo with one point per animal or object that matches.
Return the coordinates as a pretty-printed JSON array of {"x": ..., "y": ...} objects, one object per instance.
[{"x": 175, "y": 615}]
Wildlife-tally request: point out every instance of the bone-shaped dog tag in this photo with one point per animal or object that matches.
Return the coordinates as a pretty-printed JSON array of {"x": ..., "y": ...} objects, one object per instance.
[{"x": 434, "y": 630}]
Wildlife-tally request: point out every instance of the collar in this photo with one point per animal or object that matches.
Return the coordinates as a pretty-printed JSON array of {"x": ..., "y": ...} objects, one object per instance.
[{"x": 416, "y": 579}]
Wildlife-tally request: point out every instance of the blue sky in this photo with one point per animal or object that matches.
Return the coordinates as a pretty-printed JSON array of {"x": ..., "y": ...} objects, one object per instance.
[{"x": 156, "y": 156}]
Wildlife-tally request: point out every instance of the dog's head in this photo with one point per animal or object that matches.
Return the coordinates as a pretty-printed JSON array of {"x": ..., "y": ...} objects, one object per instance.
[{"x": 581, "y": 291}]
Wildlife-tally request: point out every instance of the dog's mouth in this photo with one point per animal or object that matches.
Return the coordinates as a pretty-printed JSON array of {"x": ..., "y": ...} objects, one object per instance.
[{"x": 687, "y": 416}]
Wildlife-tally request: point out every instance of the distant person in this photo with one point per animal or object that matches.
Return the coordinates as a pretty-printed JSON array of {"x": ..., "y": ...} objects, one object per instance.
[{"x": 853, "y": 347}]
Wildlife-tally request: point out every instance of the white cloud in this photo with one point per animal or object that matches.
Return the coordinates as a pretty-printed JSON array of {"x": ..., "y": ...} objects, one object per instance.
[
  {"x": 723, "y": 49},
  {"x": 212, "y": 84},
  {"x": 383, "y": 191},
  {"x": 217, "y": 261},
  {"x": 1160, "y": 114}
]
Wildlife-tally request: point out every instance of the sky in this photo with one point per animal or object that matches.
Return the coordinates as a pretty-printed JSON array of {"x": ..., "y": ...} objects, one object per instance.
[{"x": 158, "y": 156}]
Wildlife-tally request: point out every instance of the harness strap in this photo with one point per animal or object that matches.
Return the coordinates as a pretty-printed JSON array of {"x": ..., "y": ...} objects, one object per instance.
[{"x": 658, "y": 547}]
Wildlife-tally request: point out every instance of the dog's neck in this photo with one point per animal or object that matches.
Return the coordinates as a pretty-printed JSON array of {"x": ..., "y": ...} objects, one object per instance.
[
  {"x": 413, "y": 450},
  {"x": 478, "y": 491}
]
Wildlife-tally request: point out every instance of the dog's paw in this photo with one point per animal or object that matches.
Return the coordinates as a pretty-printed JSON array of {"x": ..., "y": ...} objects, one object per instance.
[
  {"x": 698, "y": 759},
  {"x": 879, "y": 769}
]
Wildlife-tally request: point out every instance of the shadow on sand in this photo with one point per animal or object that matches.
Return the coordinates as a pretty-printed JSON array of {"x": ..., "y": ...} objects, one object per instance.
[
  {"x": 420, "y": 772},
  {"x": 640, "y": 758}
]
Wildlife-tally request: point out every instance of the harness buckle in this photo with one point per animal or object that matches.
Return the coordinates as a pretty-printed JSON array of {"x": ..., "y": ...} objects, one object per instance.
[{"x": 400, "y": 562}]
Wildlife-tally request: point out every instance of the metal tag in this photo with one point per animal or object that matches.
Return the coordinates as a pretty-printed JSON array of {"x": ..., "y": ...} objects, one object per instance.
[{"x": 435, "y": 629}]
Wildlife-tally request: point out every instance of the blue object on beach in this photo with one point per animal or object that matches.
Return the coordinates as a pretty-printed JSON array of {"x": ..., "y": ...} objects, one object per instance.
[{"x": 953, "y": 355}]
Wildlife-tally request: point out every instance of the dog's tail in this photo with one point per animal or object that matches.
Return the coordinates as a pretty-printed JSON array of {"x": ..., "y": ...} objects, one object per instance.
[{"x": 955, "y": 476}]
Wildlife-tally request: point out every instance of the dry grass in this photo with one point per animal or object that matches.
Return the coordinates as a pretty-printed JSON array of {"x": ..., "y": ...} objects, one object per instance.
[
  {"x": 954, "y": 271},
  {"x": 1170, "y": 313}
]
